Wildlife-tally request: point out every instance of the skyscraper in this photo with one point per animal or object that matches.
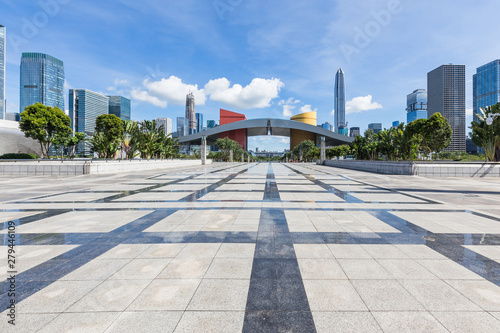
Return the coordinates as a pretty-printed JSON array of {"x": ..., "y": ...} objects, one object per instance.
[
  {"x": 339, "y": 97},
  {"x": 327, "y": 126},
  {"x": 84, "y": 108},
  {"x": 210, "y": 123},
  {"x": 355, "y": 131},
  {"x": 42, "y": 80},
  {"x": 190, "y": 114},
  {"x": 376, "y": 127},
  {"x": 182, "y": 126},
  {"x": 2, "y": 71},
  {"x": 120, "y": 107},
  {"x": 167, "y": 124},
  {"x": 486, "y": 86},
  {"x": 416, "y": 105},
  {"x": 446, "y": 94},
  {"x": 199, "y": 122}
]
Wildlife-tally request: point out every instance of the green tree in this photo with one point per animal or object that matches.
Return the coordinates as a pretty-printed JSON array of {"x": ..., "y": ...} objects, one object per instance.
[
  {"x": 130, "y": 138},
  {"x": 109, "y": 129},
  {"x": 42, "y": 123},
  {"x": 438, "y": 133},
  {"x": 487, "y": 136},
  {"x": 302, "y": 150},
  {"x": 73, "y": 142},
  {"x": 225, "y": 145}
]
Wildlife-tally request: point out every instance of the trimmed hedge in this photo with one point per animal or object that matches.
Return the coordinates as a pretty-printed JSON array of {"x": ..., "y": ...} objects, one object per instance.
[{"x": 19, "y": 156}]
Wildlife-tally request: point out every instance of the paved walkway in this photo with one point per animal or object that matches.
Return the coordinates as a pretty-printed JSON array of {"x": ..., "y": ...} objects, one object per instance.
[{"x": 252, "y": 248}]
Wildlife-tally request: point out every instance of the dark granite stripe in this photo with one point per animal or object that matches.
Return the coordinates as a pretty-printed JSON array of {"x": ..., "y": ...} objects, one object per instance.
[{"x": 277, "y": 300}]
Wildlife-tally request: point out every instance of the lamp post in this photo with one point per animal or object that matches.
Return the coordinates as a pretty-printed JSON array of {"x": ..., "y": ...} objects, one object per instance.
[{"x": 491, "y": 117}]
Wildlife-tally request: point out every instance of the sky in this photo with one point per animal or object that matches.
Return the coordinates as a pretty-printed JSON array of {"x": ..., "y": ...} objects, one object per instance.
[{"x": 260, "y": 58}]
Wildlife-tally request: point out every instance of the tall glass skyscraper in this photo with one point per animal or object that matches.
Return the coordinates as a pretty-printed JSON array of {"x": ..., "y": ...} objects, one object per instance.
[
  {"x": 84, "y": 108},
  {"x": 446, "y": 94},
  {"x": 182, "y": 126},
  {"x": 3, "y": 36},
  {"x": 42, "y": 81},
  {"x": 120, "y": 107},
  {"x": 199, "y": 122},
  {"x": 190, "y": 114},
  {"x": 416, "y": 105},
  {"x": 339, "y": 97},
  {"x": 486, "y": 86}
]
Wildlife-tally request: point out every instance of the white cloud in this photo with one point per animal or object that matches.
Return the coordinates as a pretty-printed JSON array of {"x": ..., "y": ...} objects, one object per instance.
[
  {"x": 360, "y": 104},
  {"x": 285, "y": 140},
  {"x": 307, "y": 108},
  {"x": 173, "y": 90},
  {"x": 119, "y": 82},
  {"x": 469, "y": 112},
  {"x": 143, "y": 96},
  {"x": 288, "y": 106},
  {"x": 258, "y": 94}
]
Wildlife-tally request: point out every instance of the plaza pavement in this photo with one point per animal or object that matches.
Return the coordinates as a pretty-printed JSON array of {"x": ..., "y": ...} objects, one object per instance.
[{"x": 253, "y": 248}]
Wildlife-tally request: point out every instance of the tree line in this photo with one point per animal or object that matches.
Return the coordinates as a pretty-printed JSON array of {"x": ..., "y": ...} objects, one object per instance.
[{"x": 50, "y": 126}]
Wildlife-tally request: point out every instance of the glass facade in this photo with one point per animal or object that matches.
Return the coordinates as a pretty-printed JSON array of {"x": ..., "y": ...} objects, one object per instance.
[
  {"x": 190, "y": 114},
  {"x": 343, "y": 130},
  {"x": 42, "y": 81},
  {"x": 2, "y": 72},
  {"x": 416, "y": 105},
  {"x": 199, "y": 122},
  {"x": 354, "y": 132},
  {"x": 376, "y": 127},
  {"x": 210, "y": 123},
  {"x": 182, "y": 126},
  {"x": 327, "y": 126},
  {"x": 339, "y": 97},
  {"x": 84, "y": 108},
  {"x": 120, "y": 107},
  {"x": 446, "y": 94},
  {"x": 486, "y": 86}
]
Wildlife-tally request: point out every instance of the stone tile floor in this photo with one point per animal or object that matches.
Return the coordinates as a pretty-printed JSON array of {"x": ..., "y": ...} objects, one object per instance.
[{"x": 252, "y": 248}]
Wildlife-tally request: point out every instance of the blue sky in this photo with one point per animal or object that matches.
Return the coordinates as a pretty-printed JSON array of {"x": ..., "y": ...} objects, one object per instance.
[{"x": 260, "y": 58}]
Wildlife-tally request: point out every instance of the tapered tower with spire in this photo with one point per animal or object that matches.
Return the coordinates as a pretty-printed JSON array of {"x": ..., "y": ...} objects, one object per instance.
[{"x": 339, "y": 100}]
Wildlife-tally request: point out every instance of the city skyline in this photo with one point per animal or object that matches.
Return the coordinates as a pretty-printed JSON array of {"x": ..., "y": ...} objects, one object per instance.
[{"x": 261, "y": 59}]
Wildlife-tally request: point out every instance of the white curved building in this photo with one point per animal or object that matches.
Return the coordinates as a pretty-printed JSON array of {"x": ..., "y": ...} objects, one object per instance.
[{"x": 12, "y": 140}]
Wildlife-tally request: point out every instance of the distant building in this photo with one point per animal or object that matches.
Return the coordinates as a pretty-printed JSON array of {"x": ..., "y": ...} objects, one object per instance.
[
  {"x": 486, "y": 86},
  {"x": 344, "y": 130},
  {"x": 13, "y": 116},
  {"x": 120, "y": 107},
  {"x": 355, "y": 131},
  {"x": 339, "y": 100},
  {"x": 199, "y": 122},
  {"x": 167, "y": 124},
  {"x": 327, "y": 126},
  {"x": 182, "y": 126},
  {"x": 395, "y": 123},
  {"x": 3, "y": 37},
  {"x": 446, "y": 94},
  {"x": 84, "y": 108},
  {"x": 42, "y": 81},
  {"x": 376, "y": 127},
  {"x": 190, "y": 114},
  {"x": 416, "y": 105},
  {"x": 210, "y": 123}
]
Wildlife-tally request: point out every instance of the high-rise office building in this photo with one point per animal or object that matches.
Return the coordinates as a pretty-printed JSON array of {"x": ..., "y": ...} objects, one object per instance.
[
  {"x": 416, "y": 105},
  {"x": 354, "y": 132},
  {"x": 42, "y": 81},
  {"x": 376, "y": 127},
  {"x": 339, "y": 97},
  {"x": 486, "y": 86},
  {"x": 210, "y": 123},
  {"x": 190, "y": 114},
  {"x": 199, "y": 122},
  {"x": 84, "y": 108},
  {"x": 327, "y": 126},
  {"x": 3, "y": 36},
  {"x": 120, "y": 107},
  {"x": 166, "y": 123},
  {"x": 395, "y": 123},
  {"x": 446, "y": 94},
  {"x": 182, "y": 126}
]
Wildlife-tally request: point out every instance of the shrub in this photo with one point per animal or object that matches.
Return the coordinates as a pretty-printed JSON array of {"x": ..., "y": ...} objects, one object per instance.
[{"x": 19, "y": 156}]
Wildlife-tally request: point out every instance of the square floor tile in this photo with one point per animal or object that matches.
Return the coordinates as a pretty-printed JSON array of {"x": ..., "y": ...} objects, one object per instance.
[
  {"x": 363, "y": 269},
  {"x": 167, "y": 295},
  {"x": 220, "y": 295},
  {"x": 468, "y": 321},
  {"x": 333, "y": 295},
  {"x": 81, "y": 322},
  {"x": 416, "y": 321},
  {"x": 320, "y": 269},
  {"x": 151, "y": 322},
  {"x": 385, "y": 295},
  {"x": 210, "y": 321},
  {"x": 230, "y": 268},
  {"x": 359, "y": 322}
]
